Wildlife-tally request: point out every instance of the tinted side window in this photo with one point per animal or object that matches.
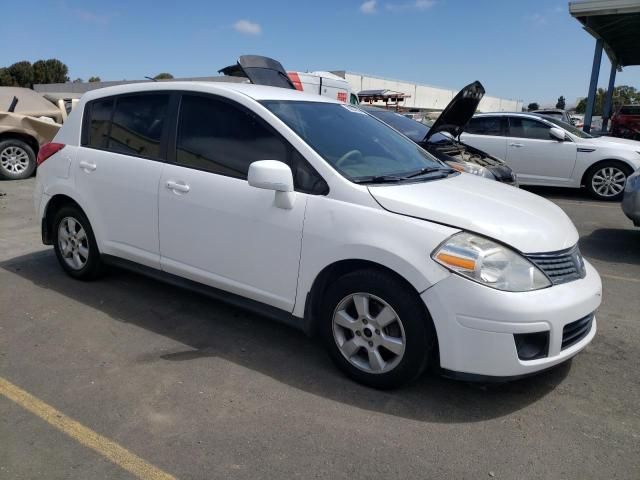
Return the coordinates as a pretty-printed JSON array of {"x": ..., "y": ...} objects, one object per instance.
[
  {"x": 137, "y": 126},
  {"x": 99, "y": 119},
  {"x": 485, "y": 126},
  {"x": 219, "y": 137},
  {"x": 527, "y": 128},
  {"x": 305, "y": 177}
]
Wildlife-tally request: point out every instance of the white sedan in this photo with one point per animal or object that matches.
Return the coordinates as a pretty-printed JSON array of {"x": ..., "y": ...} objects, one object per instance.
[{"x": 546, "y": 151}]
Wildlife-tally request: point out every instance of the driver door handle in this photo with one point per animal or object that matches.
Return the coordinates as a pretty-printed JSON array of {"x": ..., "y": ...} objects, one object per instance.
[
  {"x": 517, "y": 145},
  {"x": 178, "y": 187}
]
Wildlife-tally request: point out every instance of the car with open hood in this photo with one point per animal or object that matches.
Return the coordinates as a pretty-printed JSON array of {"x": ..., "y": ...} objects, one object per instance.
[
  {"x": 442, "y": 138},
  {"x": 314, "y": 213}
]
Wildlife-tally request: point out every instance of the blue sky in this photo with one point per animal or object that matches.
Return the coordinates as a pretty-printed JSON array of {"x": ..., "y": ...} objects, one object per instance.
[{"x": 525, "y": 49}]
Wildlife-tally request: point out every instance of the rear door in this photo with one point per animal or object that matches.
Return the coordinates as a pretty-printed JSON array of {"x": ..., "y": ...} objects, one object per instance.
[
  {"x": 537, "y": 157},
  {"x": 487, "y": 133},
  {"x": 117, "y": 170}
]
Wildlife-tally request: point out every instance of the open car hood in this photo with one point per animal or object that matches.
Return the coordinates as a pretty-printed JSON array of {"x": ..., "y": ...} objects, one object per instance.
[
  {"x": 458, "y": 112},
  {"x": 260, "y": 71}
]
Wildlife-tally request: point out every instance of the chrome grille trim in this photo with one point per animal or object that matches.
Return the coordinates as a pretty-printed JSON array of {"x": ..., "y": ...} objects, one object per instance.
[{"x": 560, "y": 267}]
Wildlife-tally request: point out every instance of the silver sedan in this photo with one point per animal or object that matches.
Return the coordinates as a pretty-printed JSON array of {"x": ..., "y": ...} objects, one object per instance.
[{"x": 631, "y": 199}]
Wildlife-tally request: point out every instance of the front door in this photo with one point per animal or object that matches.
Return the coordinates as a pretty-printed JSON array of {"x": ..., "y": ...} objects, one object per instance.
[
  {"x": 537, "y": 157},
  {"x": 214, "y": 227}
]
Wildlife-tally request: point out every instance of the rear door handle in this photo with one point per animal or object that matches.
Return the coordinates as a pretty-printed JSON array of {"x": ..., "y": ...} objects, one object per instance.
[
  {"x": 87, "y": 166},
  {"x": 178, "y": 187},
  {"x": 517, "y": 145}
]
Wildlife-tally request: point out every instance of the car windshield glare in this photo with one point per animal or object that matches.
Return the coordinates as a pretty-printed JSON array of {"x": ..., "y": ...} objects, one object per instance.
[
  {"x": 569, "y": 128},
  {"x": 356, "y": 144}
]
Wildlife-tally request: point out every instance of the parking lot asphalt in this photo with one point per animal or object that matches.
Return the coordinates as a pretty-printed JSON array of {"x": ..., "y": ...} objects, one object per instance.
[{"x": 200, "y": 390}]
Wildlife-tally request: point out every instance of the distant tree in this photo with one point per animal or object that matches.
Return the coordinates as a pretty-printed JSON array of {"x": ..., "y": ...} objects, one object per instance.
[
  {"x": 94, "y": 79},
  {"x": 622, "y": 95},
  {"x": 163, "y": 76},
  {"x": 22, "y": 73},
  {"x": 533, "y": 106},
  {"x": 56, "y": 71},
  {"x": 77, "y": 80},
  {"x": 6, "y": 80},
  {"x": 561, "y": 103},
  {"x": 40, "y": 72}
]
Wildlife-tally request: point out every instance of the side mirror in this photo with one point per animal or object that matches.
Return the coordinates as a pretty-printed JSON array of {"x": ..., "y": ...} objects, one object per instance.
[
  {"x": 558, "y": 134},
  {"x": 273, "y": 175}
]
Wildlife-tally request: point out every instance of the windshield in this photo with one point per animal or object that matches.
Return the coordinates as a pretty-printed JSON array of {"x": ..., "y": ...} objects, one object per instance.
[
  {"x": 569, "y": 128},
  {"x": 414, "y": 130},
  {"x": 353, "y": 142}
]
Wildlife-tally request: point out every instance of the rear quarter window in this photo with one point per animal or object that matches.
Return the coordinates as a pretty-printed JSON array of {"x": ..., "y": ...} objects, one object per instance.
[{"x": 98, "y": 120}]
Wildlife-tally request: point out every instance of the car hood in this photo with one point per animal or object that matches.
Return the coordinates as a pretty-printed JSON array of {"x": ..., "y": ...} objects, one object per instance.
[
  {"x": 458, "y": 112},
  {"x": 260, "y": 71},
  {"x": 525, "y": 221}
]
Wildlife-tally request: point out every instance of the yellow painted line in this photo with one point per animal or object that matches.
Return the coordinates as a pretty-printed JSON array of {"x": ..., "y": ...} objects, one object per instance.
[
  {"x": 87, "y": 437},
  {"x": 616, "y": 277}
]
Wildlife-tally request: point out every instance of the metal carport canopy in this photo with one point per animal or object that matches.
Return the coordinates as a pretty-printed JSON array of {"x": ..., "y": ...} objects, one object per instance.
[{"x": 615, "y": 24}]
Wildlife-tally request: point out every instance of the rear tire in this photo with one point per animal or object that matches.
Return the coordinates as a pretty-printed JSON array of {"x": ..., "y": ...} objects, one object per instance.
[
  {"x": 17, "y": 159},
  {"x": 75, "y": 244},
  {"x": 376, "y": 329},
  {"x": 606, "y": 180}
]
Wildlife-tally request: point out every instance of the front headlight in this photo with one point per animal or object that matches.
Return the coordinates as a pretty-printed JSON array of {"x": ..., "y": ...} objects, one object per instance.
[
  {"x": 472, "y": 168},
  {"x": 489, "y": 263}
]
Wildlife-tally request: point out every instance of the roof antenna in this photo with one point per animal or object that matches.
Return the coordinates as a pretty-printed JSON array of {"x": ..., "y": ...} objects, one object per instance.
[{"x": 150, "y": 78}]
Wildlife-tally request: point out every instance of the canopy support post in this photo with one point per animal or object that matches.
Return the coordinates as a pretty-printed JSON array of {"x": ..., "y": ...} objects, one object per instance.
[{"x": 593, "y": 85}]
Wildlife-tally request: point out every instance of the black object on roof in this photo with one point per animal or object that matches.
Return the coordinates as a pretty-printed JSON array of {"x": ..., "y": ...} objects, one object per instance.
[{"x": 260, "y": 71}]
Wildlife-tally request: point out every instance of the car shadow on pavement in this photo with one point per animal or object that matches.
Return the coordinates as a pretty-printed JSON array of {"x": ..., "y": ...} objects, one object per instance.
[
  {"x": 213, "y": 329},
  {"x": 612, "y": 245}
]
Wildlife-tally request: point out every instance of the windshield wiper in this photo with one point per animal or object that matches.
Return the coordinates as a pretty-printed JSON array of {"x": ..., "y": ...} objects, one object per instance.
[
  {"x": 378, "y": 179},
  {"x": 425, "y": 170}
]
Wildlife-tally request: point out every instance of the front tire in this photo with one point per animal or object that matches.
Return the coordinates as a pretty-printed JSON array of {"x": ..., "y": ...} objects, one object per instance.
[
  {"x": 17, "y": 159},
  {"x": 606, "y": 180},
  {"x": 75, "y": 244},
  {"x": 376, "y": 329}
]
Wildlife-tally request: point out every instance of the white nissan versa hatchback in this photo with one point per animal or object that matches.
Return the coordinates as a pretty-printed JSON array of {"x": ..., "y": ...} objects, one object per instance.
[{"x": 318, "y": 214}]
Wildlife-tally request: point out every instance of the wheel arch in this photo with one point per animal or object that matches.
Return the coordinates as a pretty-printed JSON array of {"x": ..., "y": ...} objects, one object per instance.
[
  {"x": 591, "y": 168},
  {"x": 55, "y": 203},
  {"x": 335, "y": 270},
  {"x": 26, "y": 138}
]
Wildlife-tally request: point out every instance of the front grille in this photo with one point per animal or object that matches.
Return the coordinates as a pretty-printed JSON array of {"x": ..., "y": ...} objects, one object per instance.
[
  {"x": 573, "y": 332},
  {"x": 560, "y": 267}
]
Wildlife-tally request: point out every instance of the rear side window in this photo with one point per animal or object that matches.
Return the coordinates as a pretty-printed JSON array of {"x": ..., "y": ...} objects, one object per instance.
[
  {"x": 630, "y": 110},
  {"x": 99, "y": 113},
  {"x": 219, "y": 137},
  {"x": 137, "y": 126},
  {"x": 485, "y": 126},
  {"x": 528, "y": 128}
]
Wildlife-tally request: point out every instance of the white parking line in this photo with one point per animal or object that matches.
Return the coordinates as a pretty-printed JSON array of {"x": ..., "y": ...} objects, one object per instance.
[{"x": 616, "y": 277}]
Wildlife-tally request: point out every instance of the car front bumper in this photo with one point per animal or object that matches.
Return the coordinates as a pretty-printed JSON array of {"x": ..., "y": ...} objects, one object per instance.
[
  {"x": 631, "y": 199},
  {"x": 476, "y": 324}
]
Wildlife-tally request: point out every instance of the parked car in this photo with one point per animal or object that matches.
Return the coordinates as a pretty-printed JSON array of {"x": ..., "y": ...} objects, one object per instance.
[
  {"x": 631, "y": 198},
  {"x": 556, "y": 113},
  {"x": 545, "y": 151},
  {"x": 625, "y": 123},
  {"x": 440, "y": 138},
  {"x": 27, "y": 120},
  {"x": 313, "y": 212}
]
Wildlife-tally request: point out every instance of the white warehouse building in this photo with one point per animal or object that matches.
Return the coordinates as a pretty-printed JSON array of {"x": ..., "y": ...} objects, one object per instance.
[{"x": 424, "y": 97}]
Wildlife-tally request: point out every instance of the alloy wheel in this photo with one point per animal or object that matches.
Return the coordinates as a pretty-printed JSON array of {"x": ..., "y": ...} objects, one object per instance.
[
  {"x": 608, "y": 181},
  {"x": 369, "y": 333},
  {"x": 73, "y": 243},
  {"x": 14, "y": 159}
]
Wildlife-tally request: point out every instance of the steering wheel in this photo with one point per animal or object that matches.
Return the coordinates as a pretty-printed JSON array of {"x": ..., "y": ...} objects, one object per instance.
[{"x": 347, "y": 156}]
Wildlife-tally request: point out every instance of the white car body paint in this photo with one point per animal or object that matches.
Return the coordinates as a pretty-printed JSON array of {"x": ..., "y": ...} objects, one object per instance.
[{"x": 227, "y": 234}]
